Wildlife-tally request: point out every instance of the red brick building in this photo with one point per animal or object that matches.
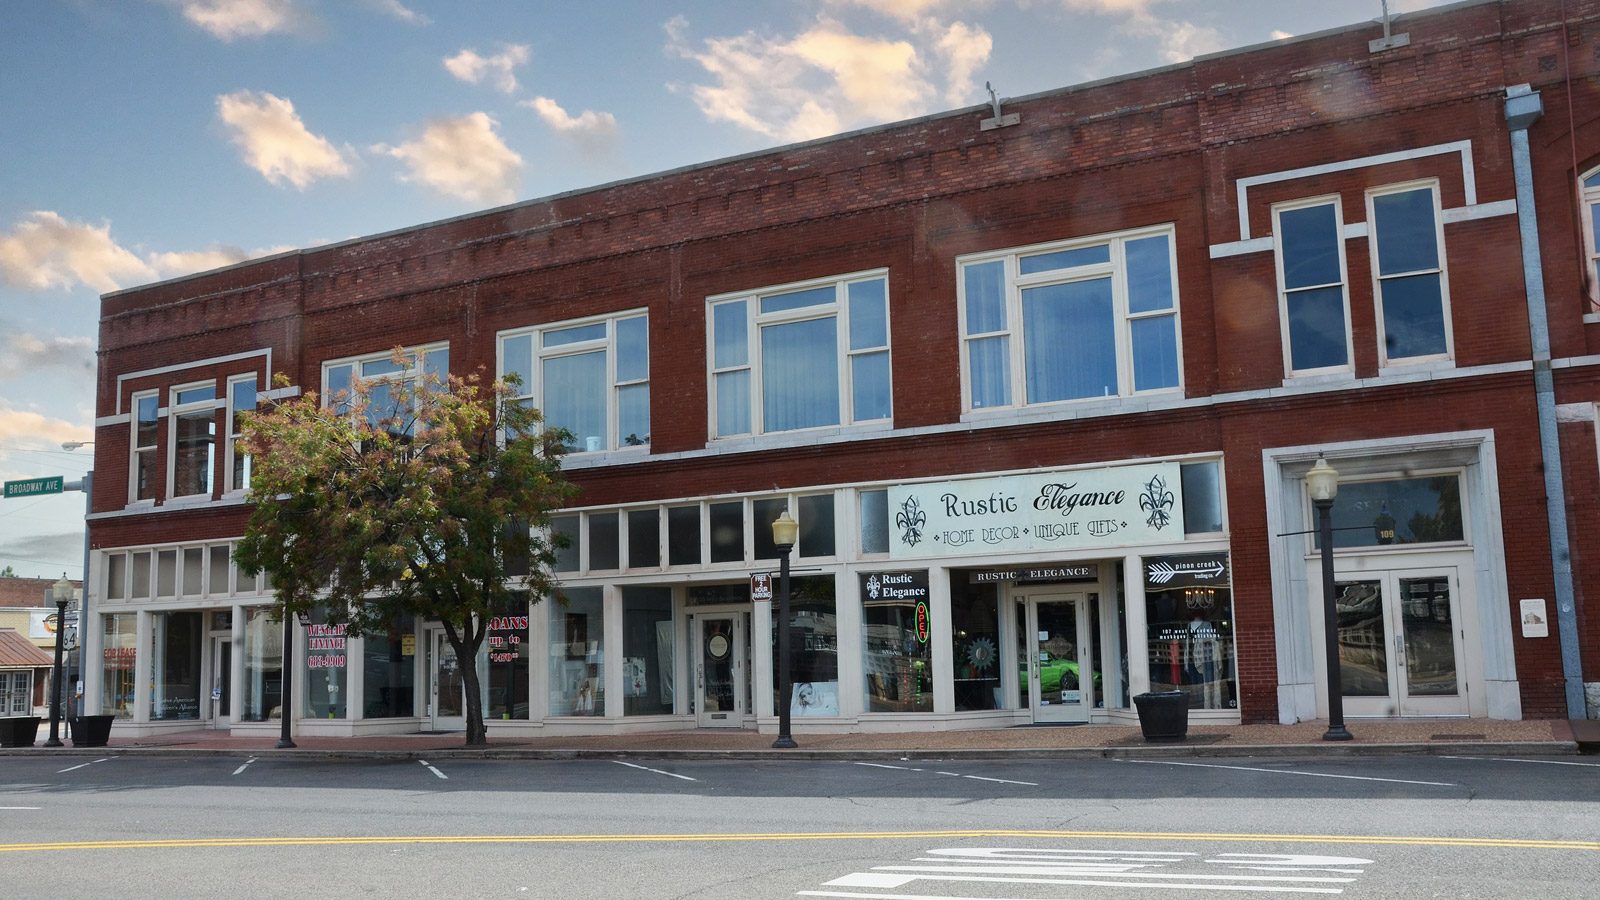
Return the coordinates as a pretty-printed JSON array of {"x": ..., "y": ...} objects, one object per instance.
[{"x": 1042, "y": 397}]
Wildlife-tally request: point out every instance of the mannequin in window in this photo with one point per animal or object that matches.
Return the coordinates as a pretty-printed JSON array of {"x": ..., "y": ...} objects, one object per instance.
[{"x": 1202, "y": 660}]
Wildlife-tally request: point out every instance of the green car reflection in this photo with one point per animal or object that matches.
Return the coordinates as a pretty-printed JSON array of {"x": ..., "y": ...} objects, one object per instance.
[{"x": 1058, "y": 674}]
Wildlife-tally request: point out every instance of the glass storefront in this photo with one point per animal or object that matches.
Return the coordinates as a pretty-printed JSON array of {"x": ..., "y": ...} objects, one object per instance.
[
  {"x": 975, "y": 643},
  {"x": 117, "y": 648},
  {"x": 175, "y": 645},
  {"x": 508, "y": 652},
  {"x": 1189, "y": 615},
  {"x": 814, "y": 645},
  {"x": 577, "y": 654},
  {"x": 389, "y": 672},
  {"x": 262, "y": 696},
  {"x": 896, "y": 633},
  {"x": 324, "y": 671},
  {"x": 648, "y": 658}
]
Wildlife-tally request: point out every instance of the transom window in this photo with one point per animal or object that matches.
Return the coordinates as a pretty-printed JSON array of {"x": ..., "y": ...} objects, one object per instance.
[
  {"x": 384, "y": 378},
  {"x": 194, "y": 440},
  {"x": 591, "y": 377},
  {"x": 1313, "y": 303},
  {"x": 806, "y": 355},
  {"x": 1591, "y": 227},
  {"x": 1408, "y": 264},
  {"x": 1085, "y": 319}
]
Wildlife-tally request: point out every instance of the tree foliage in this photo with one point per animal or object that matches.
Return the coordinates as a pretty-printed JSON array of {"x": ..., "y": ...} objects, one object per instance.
[{"x": 401, "y": 497}]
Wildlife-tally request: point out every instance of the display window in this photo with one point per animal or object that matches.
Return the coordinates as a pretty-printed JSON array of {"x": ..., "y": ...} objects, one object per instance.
[
  {"x": 814, "y": 645},
  {"x": 975, "y": 643},
  {"x": 896, "y": 633},
  {"x": 577, "y": 654},
  {"x": 117, "y": 648},
  {"x": 1189, "y": 615}
]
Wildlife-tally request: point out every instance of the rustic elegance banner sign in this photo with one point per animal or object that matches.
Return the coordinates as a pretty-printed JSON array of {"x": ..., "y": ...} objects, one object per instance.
[{"x": 1044, "y": 511}]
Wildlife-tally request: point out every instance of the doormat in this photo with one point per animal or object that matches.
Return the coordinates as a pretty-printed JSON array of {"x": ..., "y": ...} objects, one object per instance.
[
  {"x": 1193, "y": 739},
  {"x": 1050, "y": 725},
  {"x": 1459, "y": 737}
]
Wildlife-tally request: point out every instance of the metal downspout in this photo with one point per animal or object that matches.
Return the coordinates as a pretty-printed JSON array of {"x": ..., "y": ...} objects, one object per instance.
[{"x": 1523, "y": 108}]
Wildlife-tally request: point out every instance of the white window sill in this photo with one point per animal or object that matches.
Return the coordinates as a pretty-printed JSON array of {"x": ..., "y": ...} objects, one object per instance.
[
  {"x": 1074, "y": 409},
  {"x": 800, "y": 438},
  {"x": 587, "y": 460},
  {"x": 1320, "y": 378},
  {"x": 1420, "y": 367},
  {"x": 1592, "y": 318}
]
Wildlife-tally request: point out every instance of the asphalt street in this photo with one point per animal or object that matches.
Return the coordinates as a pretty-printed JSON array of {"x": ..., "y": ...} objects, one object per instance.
[{"x": 230, "y": 826}]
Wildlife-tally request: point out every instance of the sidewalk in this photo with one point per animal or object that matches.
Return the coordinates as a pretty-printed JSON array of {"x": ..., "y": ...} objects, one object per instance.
[{"x": 1429, "y": 736}]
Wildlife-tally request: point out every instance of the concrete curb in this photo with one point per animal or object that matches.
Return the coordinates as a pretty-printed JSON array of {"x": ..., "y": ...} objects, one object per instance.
[{"x": 1172, "y": 751}]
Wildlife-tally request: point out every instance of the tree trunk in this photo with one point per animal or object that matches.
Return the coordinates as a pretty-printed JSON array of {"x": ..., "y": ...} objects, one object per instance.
[{"x": 467, "y": 658}]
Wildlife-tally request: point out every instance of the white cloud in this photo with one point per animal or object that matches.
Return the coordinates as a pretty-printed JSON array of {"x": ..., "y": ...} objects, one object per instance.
[
  {"x": 275, "y": 142},
  {"x": 819, "y": 82},
  {"x": 471, "y": 67},
  {"x": 186, "y": 262},
  {"x": 47, "y": 251},
  {"x": 23, "y": 354},
  {"x": 594, "y": 131},
  {"x": 964, "y": 49},
  {"x": 461, "y": 157},
  {"x": 229, "y": 19},
  {"x": 24, "y": 427},
  {"x": 399, "y": 11},
  {"x": 1177, "y": 39},
  {"x": 1278, "y": 34},
  {"x": 904, "y": 10}
]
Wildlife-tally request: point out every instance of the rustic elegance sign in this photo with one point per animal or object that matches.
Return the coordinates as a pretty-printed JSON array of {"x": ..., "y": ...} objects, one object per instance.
[{"x": 1045, "y": 511}]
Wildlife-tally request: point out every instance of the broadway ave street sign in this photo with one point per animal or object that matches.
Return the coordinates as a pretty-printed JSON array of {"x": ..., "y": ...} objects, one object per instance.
[{"x": 33, "y": 487}]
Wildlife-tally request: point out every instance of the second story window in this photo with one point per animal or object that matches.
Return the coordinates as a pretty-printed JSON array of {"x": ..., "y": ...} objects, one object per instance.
[
  {"x": 146, "y": 431},
  {"x": 1408, "y": 263},
  {"x": 1591, "y": 229},
  {"x": 1312, "y": 299},
  {"x": 194, "y": 440},
  {"x": 808, "y": 355},
  {"x": 241, "y": 398},
  {"x": 1076, "y": 320},
  {"x": 383, "y": 377},
  {"x": 591, "y": 377}
]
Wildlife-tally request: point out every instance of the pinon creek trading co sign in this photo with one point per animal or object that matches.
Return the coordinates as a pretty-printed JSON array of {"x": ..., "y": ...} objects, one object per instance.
[{"x": 1044, "y": 511}]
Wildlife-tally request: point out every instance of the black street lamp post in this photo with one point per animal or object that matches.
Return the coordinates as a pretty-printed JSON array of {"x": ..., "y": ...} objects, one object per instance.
[
  {"x": 62, "y": 592},
  {"x": 784, "y": 532},
  {"x": 1322, "y": 482}
]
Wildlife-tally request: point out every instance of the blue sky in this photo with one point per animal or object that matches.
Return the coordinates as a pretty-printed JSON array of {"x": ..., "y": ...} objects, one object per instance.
[{"x": 146, "y": 139}]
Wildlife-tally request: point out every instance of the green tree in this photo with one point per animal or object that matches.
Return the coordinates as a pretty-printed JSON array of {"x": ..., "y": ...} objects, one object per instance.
[
  {"x": 400, "y": 497},
  {"x": 8, "y": 572}
]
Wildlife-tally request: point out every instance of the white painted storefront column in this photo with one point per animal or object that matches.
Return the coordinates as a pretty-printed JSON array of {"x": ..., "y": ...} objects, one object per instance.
[
  {"x": 142, "y": 666},
  {"x": 539, "y": 656},
  {"x": 761, "y": 616},
  {"x": 1138, "y": 644},
  {"x": 849, "y": 633},
  {"x": 611, "y": 649},
  {"x": 944, "y": 685}
]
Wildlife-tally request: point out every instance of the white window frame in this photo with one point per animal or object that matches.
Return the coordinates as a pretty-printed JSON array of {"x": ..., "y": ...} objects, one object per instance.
[
  {"x": 532, "y": 389},
  {"x": 229, "y": 488},
  {"x": 176, "y": 411},
  {"x": 413, "y": 370},
  {"x": 839, "y": 311},
  {"x": 1589, "y": 200},
  {"x": 134, "y": 447},
  {"x": 15, "y": 701},
  {"x": 1343, "y": 285},
  {"x": 1016, "y": 283},
  {"x": 1432, "y": 186}
]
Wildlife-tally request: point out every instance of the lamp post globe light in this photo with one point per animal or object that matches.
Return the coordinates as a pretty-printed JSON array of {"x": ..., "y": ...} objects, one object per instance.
[
  {"x": 784, "y": 532},
  {"x": 61, "y": 592},
  {"x": 1322, "y": 482}
]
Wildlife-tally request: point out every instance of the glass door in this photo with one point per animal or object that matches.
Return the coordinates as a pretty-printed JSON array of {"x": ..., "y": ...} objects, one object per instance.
[
  {"x": 719, "y": 667},
  {"x": 447, "y": 702},
  {"x": 1400, "y": 643},
  {"x": 1058, "y": 664},
  {"x": 221, "y": 682}
]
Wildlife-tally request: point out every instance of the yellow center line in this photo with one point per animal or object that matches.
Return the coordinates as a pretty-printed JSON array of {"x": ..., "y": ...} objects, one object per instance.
[{"x": 1501, "y": 843}]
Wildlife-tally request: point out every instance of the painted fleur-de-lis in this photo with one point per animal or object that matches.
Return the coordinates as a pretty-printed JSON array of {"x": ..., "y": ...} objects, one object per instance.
[
  {"x": 1158, "y": 502},
  {"x": 910, "y": 521}
]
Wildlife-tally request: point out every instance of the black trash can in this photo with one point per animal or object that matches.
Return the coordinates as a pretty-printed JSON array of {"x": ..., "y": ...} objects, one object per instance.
[
  {"x": 1163, "y": 715},
  {"x": 19, "y": 731},
  {"x": 91, "y": 731}
]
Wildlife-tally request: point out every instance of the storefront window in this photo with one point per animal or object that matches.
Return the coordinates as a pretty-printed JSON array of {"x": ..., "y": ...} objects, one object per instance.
[
  {"x": 899, "y": 660},
  {"x": 117, "y": 674},
  {"x": 647, "y": 651},
  {"x": 175, "y": 665},
  {"x": 1189, "y": 611},
  {"x": 1397, "y": 511},
  {"x": 874, "y": 521},
  {"x": 324, "y": 671},
  {"x": 814, "y": 645},
  {"x": 508, "y": 663},
  {"x": 577, "y": 654},
  {"x": 263, "y": 666},
  {"x": 816, "y": 525},
  {"x": 1202, "y": 497},
  {"x": 975, "y": 643},
  {"x": 389, "y": 672}
]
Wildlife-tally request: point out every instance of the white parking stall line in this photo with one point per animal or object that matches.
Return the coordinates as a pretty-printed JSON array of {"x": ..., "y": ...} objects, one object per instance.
[
  {"x": 1160, "y": 762},
  {"x": 82, "y": 766},
  {"x": 981, "y": 778},
  {"x": 657, "y": 771},
  {"x": 245, "y": 766},
  {"x": 887, "y": 766},
  {"x": 1536, "y": 762},
  {"x": 18, "y": 807},
  {"x": 433, "y": 770}
]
